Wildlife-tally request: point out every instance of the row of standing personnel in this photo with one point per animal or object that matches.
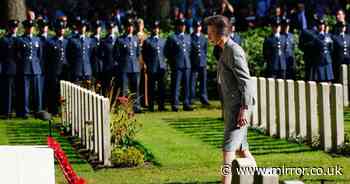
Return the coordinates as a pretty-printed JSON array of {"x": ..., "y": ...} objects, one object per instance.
[
  {"x": 32, "y": 66},
  {"x": 323, "y": 52}
]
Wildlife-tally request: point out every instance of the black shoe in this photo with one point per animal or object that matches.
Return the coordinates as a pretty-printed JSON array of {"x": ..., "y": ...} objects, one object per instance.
[
  {"x": 137, "y": 111},
  {"x": 26, "y": 116},
  {"x": 175, "y": 109},
  {"x": 151, "y": 109},
  {"x": 188, "y": 108},
  {"x": 205, "y": 103},
  {"x": 161, "y": 109}
]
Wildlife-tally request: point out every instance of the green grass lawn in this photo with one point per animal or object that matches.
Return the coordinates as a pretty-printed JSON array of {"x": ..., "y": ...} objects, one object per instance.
[{"x": 187, "y": 147}]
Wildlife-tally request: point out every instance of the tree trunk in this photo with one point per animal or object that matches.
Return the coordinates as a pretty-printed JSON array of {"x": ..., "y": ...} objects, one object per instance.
[{"x": 12, "y": 9}]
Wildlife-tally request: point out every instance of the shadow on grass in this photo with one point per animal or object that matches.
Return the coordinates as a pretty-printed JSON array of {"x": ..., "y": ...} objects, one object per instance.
[
  {"x": 210, "y": 131},
  {"x": 35, "y": 132}
]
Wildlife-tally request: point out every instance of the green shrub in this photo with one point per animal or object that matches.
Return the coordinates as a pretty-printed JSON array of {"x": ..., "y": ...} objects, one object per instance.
[
  {"x": 124, "y": 124},
  {"x": 345, "y": 148},
  {"x": 127, "y": 157}
]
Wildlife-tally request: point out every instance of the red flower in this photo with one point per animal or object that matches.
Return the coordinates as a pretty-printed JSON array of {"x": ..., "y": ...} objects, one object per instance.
[{"x": 62, "y": 159}]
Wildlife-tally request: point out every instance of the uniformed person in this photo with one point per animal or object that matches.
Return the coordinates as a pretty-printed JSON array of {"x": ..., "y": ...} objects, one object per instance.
[
  {"x": 79, "y": 55},
  {"x": 320, "y": 68},
  {"x": 341, "y": 52},
  {"x": 56, "y": 66},
  {"x": 127, "y": 54},
  {"x": 289, "y": 49},
  {"x": 43, "y": 27},
  {"x": 109, "y": 66},
  {"x": 274, "y": 51},
  {"x": 96, "y": 59},
  {"x": 8, "y": 68},
  {"x": 153, "y": 54},
  {"x": 177, "y": 51},
  {"x": 198, "y": 55},
  {"x": 234, "y": 35},
  {"x": 29, "y": 70}
]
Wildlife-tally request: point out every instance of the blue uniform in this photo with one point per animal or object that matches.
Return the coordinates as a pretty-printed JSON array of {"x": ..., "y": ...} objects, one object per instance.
[
  {"x": 321, "y": 66},
  {"x": 79, "y": 58},
  {"x": 96, "y": 59},
  {"x": 56, "y": 68},
  {"x": 8, "y": 72},
  {"x": 109, "y": 64},
  {"x": 199, "y": 46},
  {"x": 274, "y": 55},
  {"x": 29, "y": 72},
  {"x": 236, "y": 38},
  {"x": 153, "y": 55},
  {"x": 44, "y": 39},
  {"x": 341, "y": 53},
  {"x": 127, "y": 52},
  {"x": 289, "y": 52},
  {"x": 177, "y": 51}
]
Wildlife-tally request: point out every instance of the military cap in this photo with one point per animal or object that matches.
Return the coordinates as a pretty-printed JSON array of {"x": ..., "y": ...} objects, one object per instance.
[
  {"x": 13, "y": 23},
  {"x": 59, "y": 24},
  {"x": 129, "y": 22},
  {"x": 197, "y": 23},
  {"x": 320, "y": 20},
  {"x": 181, "y": 22},
  {"x": 28, "y": 23},
  {"x": 110, "y": 24},
  {"x": 96, "y": 23},
  {"x": 43, "y": 22},
  {"x": 155, "y": 24},
  {"x": 340, "y": 24},
  {"x": 82, "y": 22}
]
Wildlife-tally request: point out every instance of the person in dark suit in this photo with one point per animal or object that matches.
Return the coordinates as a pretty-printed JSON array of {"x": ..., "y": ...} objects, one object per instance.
[
  {"x": 79, "y": 55},
  {"x": 43, "y": 27},
  {"x": 289, "y": 49},
  {"x": 109, "y": 65},
  {"x": 298, "y": 18},
  {"x": 8, "y": 61},
  {"x": 29, "y": 70},
  {"x": 341, "y": 52},
  {"x": 127, "y": 54},
  {"x": 274, "y": 52},
  {"x": 96, "y": 59},
  {"x": 234, "y": 35},
  {"x": 55, "y": 66},
  {"x": 198, "y": 55},
  {"x": 320, "y": 68},
  {"x": 177, "y": 51},
  {"x": 341, "y": 19},
  {"x": 153, "y": 54}
]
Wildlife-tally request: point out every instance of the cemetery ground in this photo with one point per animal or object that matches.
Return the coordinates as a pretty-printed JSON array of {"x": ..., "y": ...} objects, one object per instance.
[{"x": 186, "y": 149}]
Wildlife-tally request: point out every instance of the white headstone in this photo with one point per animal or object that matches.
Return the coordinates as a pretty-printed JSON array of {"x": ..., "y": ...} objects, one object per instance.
[
  {"x": 271, "y": 107},
  {"x": 290, "y": 108}
]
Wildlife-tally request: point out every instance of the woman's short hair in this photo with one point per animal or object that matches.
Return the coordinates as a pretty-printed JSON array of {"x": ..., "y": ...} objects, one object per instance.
[{"x": 221, "y": 24}]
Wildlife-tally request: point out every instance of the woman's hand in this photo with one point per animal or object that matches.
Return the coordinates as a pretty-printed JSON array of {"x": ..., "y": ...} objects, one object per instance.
[{"x": 242, "y": 118}]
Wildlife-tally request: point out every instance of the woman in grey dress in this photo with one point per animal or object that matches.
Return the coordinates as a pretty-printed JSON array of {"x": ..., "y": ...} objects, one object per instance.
[{"x": 236, "y": 88}]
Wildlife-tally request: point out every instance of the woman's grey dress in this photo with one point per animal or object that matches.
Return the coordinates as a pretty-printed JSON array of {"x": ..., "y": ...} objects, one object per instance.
[{"x": 237, "y": 91}]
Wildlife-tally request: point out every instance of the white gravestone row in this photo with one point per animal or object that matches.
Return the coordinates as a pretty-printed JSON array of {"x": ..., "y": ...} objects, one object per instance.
[
  {"x": 87, "y": 113},
  {"x": 313, "y": 111}
]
